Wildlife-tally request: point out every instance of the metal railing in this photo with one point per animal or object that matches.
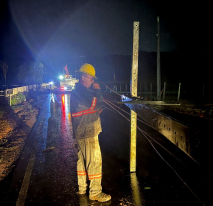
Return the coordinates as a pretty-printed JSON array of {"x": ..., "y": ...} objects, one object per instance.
[
  {"x": 8, "y": 93},
  {"x": 170, "y": 92}
]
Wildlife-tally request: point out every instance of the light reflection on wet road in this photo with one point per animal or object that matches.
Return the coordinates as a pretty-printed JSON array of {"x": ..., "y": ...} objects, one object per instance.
[{"x": 53, "y": 180}]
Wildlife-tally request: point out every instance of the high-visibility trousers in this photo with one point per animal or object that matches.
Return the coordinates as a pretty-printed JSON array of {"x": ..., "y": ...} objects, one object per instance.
[{"x": 89, "y": 165}]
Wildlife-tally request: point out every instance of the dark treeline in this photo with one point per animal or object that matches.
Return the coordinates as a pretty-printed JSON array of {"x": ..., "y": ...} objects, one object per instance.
[
  {"x": 186, "y": 67},
  {"x": 175, "y": 66}
]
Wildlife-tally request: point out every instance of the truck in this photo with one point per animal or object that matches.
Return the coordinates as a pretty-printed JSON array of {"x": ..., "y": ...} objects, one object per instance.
[{"x": 67, "y": 82}]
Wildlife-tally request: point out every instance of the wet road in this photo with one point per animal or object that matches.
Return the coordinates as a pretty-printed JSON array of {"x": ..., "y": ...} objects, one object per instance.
[{"x": 46, "y": 171}]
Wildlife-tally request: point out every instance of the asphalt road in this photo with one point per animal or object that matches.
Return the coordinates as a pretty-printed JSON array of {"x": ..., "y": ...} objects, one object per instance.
[{"x": 45, "y": 173}]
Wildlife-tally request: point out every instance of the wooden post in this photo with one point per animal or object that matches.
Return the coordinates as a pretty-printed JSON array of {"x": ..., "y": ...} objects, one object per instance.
[
  {"x": 133, "y": 91},
  {"x": 164, "y": 91},
  {"x": 10, "y": 99},
  {"x": 179, "y": 92}
]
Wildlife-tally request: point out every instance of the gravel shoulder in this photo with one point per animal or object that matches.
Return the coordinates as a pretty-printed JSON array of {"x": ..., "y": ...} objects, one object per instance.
[{"x": 16, "y": 123}]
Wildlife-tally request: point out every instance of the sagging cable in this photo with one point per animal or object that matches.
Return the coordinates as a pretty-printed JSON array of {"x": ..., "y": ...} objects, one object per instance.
[
  {"x": 110, "y": 89},
  {"x": 146, "y": 133},
  {"x": 143, "y": 121},
  {"x": 158, "y": 154},
  {"x": 149, "y": 126}
]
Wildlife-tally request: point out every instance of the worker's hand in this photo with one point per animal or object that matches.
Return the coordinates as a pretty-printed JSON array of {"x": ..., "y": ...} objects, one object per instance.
[
  {"x": 96, "y": 86},
  {"x": 99, "y": 111}
]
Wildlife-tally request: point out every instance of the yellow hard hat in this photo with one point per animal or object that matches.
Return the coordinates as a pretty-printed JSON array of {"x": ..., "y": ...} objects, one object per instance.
[{"x": 88, "y": 69}]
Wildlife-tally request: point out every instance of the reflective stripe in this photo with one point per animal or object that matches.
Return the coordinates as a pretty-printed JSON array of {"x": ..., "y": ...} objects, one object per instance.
[
  {"x": 81, "y": 173},
  {"x": 83, "y": 113},
  {"x": 91, "y": 177},
  {"x": 88, "y": 111}
]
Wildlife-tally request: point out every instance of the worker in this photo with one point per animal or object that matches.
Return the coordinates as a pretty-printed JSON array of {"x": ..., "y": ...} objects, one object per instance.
[{"x": 86, "y": 102}]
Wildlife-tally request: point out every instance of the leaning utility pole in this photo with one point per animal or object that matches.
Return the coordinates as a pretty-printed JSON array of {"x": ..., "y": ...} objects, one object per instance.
[
  {"x": 158, "y": 62},
  {"x": 133, "y": 91}
]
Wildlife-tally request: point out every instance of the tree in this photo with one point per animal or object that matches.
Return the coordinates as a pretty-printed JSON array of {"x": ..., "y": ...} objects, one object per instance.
[
  {"x": 4, "y": 67},
  {"x": 31, "y": 73}
]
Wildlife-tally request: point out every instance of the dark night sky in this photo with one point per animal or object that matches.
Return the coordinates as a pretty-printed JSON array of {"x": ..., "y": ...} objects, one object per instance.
[{"x": 63, "y": 30}]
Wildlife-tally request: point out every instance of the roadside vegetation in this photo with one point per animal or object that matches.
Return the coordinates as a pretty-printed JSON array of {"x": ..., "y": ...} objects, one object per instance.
[
  {"x": 18, "y": 98},
  {"x": 16, "y": 123}
]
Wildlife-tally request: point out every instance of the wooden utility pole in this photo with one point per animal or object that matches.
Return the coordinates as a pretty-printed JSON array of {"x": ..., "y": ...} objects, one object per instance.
[
  {"x": 158, "y": 62},
  {"x": 133, "y": 92}
]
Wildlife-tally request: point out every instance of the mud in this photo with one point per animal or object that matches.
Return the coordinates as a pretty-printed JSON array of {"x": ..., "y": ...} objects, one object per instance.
[{"x": 16, "y": 123}]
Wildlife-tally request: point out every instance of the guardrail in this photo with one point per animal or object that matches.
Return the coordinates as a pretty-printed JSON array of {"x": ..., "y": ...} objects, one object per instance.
[{"x": 8, "y": 93}]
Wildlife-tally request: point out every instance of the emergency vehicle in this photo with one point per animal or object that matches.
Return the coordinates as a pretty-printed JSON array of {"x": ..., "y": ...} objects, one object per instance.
[{"x": 67, "y": 82}]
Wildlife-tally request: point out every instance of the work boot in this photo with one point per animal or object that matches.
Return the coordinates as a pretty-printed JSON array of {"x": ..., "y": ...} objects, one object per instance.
[{"x": 101, "y": 197}]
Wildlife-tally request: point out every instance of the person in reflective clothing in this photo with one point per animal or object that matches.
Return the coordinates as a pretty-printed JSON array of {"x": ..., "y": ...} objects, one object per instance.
[{"x": 86, "y": 102}]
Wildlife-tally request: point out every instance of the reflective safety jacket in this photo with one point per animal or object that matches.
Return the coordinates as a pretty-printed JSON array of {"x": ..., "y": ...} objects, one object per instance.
[{"x": 85, "y": 104}]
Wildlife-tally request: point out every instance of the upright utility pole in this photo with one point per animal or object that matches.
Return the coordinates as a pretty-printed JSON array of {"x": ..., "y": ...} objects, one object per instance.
[
  {"x": 133, "y": 91},
  {"x": 158, "y": 62}
]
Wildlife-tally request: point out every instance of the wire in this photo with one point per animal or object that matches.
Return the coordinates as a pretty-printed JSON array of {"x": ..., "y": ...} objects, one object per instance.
[
  {"x": 144, "y": 134},
  {"x": 171, "y": 118},
  {"x": 143, "y": 119},
  {"x": 110, "y": 89},
  {"x": 171, "y": 167},
  {"x": 144, "y": 122}
]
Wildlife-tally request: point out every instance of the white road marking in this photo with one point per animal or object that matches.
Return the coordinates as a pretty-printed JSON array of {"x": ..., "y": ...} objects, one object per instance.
[{"x": 26, "y": 181}]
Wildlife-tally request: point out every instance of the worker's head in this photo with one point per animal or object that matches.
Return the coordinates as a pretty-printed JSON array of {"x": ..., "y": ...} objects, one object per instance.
[
  {"x": 86, "y": 79},
  {"x": 87, "y": 75}
]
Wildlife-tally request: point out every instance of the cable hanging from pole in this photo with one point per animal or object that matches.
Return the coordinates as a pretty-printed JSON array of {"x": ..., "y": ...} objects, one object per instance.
[{"x": 146, "y": 136}]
